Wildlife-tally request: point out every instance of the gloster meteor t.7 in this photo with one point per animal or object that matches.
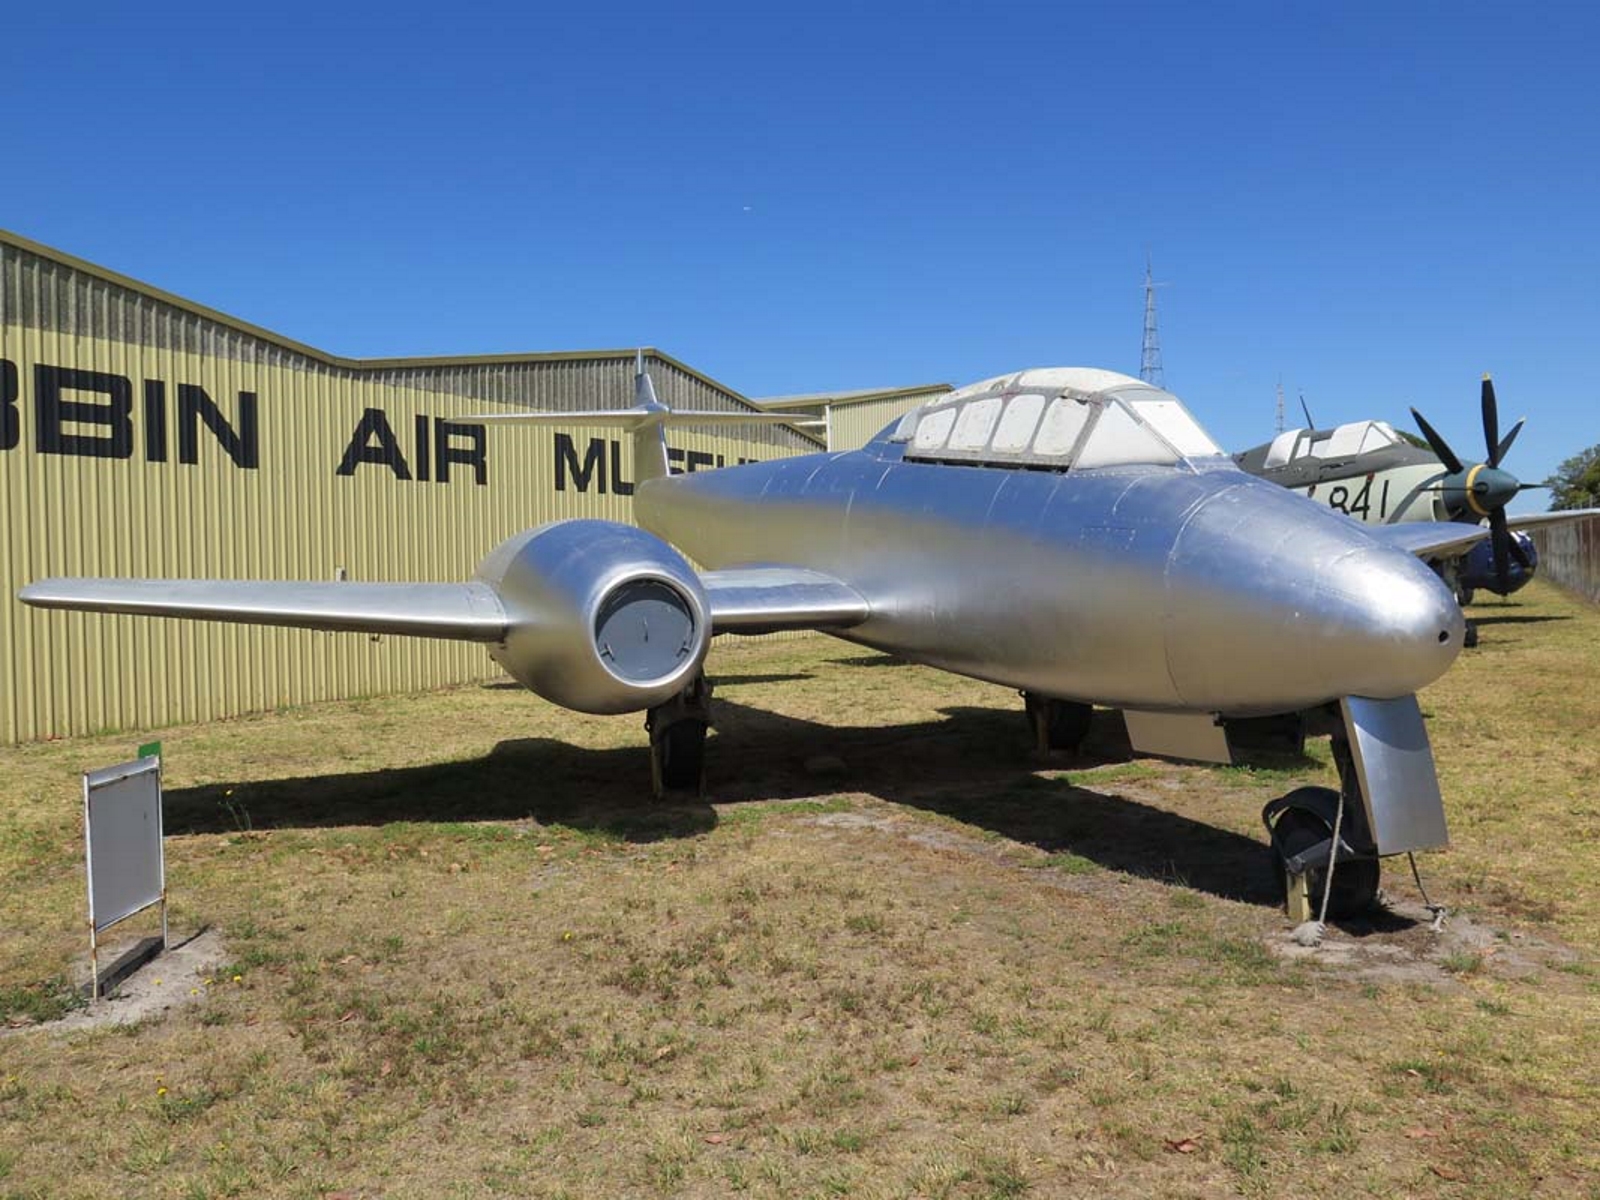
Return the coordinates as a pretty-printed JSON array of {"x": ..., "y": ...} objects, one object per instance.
[{"x": 1069, "y": 532}]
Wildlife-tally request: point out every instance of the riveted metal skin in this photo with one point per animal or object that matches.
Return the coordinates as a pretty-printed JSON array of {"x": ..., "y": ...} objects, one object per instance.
[
  {"x": 580, "y": 599},
  {"x": 1193, "y": 587}
]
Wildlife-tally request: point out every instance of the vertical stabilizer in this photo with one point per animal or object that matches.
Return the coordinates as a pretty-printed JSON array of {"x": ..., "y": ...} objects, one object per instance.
[{"x": 649, "y": 437}]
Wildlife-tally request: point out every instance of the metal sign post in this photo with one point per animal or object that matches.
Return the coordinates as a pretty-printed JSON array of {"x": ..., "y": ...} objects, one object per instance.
[{"x": 124, "y": 854}]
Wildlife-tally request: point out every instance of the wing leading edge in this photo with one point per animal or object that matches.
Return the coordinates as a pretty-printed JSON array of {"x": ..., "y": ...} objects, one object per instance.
[
  {"x": 462, "y": 611},
  {"x": 748, "y": 600}
]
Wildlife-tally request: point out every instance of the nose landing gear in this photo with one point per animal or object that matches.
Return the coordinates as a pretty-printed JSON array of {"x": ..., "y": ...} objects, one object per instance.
[{"x": 1301, "y": 827}]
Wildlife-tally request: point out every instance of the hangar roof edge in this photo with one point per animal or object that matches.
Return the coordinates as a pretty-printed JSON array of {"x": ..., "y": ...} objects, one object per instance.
[{"x": 40, "y": 250}]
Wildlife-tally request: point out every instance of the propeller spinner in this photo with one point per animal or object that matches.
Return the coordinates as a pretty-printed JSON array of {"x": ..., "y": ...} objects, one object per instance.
[{"x": 1483, "y": 489}]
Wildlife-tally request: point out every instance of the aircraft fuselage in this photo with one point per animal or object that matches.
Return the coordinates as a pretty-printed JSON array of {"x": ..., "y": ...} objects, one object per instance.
[{"x": 1153, "y": 588}]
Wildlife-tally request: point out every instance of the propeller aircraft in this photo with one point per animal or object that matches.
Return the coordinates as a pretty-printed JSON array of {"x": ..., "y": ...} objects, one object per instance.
[
  {"x": 1069, "y": 532},
  {"x": 1369, "y": 471}
]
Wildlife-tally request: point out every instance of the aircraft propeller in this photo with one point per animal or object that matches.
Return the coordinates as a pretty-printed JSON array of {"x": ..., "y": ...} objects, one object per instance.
[{"x": 1484, "y": 489}]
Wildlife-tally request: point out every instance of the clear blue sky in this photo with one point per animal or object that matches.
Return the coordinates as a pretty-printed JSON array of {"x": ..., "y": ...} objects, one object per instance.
[{"x": 1374, "y": 202}]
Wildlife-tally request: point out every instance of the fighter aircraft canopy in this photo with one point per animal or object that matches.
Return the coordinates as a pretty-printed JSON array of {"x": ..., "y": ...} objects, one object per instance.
[
  {"x": 1058, "y": 418},
  {"x": 1344, "y": 441}
]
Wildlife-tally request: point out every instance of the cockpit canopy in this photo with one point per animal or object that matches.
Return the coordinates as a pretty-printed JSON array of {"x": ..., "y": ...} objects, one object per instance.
[
  {"x": 1055, "y": 417},
  {"x": 1345, "y": 441}
]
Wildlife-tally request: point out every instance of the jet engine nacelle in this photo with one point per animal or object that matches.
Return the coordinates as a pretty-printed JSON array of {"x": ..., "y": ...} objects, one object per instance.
[{"x": 603, "y": 618}]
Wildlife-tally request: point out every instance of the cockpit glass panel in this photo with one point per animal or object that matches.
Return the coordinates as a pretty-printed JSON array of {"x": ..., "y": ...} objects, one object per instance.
[
  {"x": 1055, "y": 419},
  {"x": 975, "y": 424},
  {"x": 933, "y": 429},
  {"x": 1173, "y": 422},
  {"x": 1016, "y": 428},
  {"x": 1117, "y": 439},
  {"x": 1379, "y": 435},
  {"x": 1063, "y": 422}
]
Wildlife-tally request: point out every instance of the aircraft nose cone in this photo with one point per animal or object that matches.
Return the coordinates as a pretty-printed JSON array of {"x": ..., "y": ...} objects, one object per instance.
[
  {"x": 1404, "y": 626},
  {"x": 1276, "y": 605}
]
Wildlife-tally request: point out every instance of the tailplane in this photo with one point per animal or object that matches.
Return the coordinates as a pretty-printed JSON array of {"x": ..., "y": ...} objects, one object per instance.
[{"x": 646, "y": 422}]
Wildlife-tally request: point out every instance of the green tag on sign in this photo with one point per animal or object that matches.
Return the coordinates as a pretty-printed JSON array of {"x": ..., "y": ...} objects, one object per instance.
[{"x": 150, "y": 750}]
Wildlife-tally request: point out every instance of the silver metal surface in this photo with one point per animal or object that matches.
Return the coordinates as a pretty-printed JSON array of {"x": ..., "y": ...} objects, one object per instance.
[
  {"x": 1394, "y": 763},
  {"x": 1163, "y": 589},
  {"x": 1194, "y": 736},
  {"x": 1180, "y": 585},
  {"x": 768, "y": 599},
  {"x": 465, "y": 611},
  {"x": 556, "y": 582}
]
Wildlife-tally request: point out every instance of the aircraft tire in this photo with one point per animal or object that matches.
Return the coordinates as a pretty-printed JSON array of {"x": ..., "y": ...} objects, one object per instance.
[
  {"x": 1355, "y": 880},
  {"x": 681, "y": 750},
  {"x": 1059, "y": 725}
]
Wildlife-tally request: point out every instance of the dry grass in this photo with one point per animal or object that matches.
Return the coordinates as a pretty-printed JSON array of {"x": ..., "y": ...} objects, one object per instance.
[{"x": 474, "y": 961}]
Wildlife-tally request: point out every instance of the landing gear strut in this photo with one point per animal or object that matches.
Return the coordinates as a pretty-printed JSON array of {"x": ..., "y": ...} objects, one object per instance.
[
  {"x": 1057, "y": 724},
  {"x": 678, "y": 740},
  {"x": 1301, "y": 827}
]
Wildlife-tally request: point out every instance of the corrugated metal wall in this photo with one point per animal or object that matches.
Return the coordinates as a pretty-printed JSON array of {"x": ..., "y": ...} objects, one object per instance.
[
  {"x": 853, "y": 425},
  {"x": 1570, "y": 555},
  {"x": 103, "y": 490}
]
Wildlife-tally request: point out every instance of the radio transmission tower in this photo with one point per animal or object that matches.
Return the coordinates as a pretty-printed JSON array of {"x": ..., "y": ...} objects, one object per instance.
[
  {"x": 1280, "y": 406},
  {"x": 1150, "y": 362}
]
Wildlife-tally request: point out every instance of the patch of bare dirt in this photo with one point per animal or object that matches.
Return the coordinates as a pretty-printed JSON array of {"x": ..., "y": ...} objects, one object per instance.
[{"x": 183, "y": 975}]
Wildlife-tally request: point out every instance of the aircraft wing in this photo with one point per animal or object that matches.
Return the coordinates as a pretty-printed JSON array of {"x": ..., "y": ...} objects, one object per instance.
[
  {"x": 1431, "y": 539},
  {"x": 1535, "y": 520},
  {"x": 464, "y": 611},
  {"x": 747, "y": 600},
  {"x": 767, "y": 599}
]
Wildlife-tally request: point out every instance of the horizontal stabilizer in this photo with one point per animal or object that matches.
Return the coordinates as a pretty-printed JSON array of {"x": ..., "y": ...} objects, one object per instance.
[
  {"x": 631, "y": 418},
  {"x": 1430, "y": 539},
  {"x": 767, "y": 599},
  {"x": 463, "y": 611}
]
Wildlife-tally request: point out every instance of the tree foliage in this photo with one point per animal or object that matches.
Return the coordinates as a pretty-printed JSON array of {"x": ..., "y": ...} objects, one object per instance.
[{"x": 1576, "y": 483}]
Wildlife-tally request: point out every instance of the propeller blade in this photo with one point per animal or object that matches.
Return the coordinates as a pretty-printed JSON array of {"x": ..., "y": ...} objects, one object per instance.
[
  {"x": 1505, "y": 442},
  {"x": 1501, "y": 539},
  {"x": 1491, "y": 423},
  {"x": 1440, "y": 447}
]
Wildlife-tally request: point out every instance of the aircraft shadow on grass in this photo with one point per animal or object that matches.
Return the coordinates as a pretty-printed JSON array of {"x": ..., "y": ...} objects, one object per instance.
[
  {"x": 1513, "y": 619},
  {"x": 973, "y": 765}
]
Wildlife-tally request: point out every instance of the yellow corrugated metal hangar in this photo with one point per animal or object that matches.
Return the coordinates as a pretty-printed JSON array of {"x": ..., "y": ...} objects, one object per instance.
[
  {"x": 142, "y": 435},
  {"x": 852, "y": 419}
]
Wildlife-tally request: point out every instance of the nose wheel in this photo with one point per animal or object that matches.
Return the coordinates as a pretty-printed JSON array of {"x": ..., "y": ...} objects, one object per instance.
[{"x": 1301, "y": 828}]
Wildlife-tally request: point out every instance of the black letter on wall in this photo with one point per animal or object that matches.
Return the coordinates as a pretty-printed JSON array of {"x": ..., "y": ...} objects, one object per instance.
[
  {"x": 567, "y": 460},
  {"x": 195, "y": 406},
  {"x": 155, "y": 421},
  {"x": 52, "y": 412},
  {"x": 468, "y": 456},
  {"x": 10, "y": 423},
  {"x": 387, "y": 452}
]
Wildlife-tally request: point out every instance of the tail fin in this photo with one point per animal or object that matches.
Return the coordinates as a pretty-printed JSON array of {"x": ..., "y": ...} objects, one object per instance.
[{"x": 646, "y": 421}]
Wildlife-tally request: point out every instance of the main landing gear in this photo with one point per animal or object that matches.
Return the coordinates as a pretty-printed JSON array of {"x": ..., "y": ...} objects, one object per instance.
[
  {"x": 1301, "y": 826},
  {"x": 1057, "y": 724},
  {"x": 678, "y": 740}
]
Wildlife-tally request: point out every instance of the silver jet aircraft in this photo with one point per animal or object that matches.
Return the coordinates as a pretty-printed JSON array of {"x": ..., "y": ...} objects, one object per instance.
[{"x": 1069, "y": 532}]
